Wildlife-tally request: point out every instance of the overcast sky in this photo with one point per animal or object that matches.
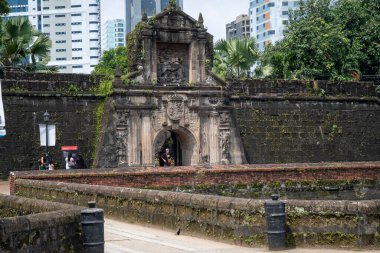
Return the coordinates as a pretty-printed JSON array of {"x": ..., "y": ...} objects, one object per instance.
[{"x": 216, "y": 13}]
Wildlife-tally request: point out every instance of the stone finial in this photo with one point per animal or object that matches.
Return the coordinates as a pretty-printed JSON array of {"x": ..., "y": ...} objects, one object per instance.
[
  {"x": 144, "y": 16},
  {"x": 200, "y": 19},
  {"x": 118, "y": 82}
]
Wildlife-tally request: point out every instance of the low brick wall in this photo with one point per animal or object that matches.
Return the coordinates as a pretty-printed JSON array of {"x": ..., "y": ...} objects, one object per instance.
[
  {"x": 209, "y": 175},
  {"x": 39, "y": 226},
  {"x": 345, "y": 224}
]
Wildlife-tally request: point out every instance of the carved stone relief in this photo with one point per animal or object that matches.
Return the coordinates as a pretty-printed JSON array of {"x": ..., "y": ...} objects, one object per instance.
[
  {"x": 176, "y": 107},
  {"x": 173, "y": 63}
]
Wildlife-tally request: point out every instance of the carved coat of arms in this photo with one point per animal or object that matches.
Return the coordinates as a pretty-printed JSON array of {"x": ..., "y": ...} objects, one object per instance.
[{"x": 175, "y": 107}]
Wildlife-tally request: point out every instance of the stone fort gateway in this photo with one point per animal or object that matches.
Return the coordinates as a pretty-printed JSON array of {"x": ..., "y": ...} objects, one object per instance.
[
  {"x": 175, "y": 102},
  {"x": 313, "y": 142}
]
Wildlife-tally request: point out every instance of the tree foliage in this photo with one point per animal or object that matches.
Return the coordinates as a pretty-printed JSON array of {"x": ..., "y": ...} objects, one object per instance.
[
  {"x": 328, "y": 39},
  {"x": 4, "y": 7},
  {"x": 111, "y": 59},
  {"x": 24, "y": 47},
  {"x": 234, "y": 58}
]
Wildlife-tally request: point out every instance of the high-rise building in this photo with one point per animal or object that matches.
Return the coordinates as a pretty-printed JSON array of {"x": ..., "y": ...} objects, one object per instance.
[
  {"x": 73, "y": 27},
  {"x": 269, "y": 19},
  {"x": 113, "y": 34},
  {"x": 238, "y": 28},
  {"x": 135, "y": 9}
]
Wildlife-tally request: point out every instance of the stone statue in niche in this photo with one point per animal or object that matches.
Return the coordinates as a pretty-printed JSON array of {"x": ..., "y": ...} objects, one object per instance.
[
  {"x": 172, "y": 63},
  {"x": 171, "y": 70},
  {"x": 225, "y": 144}
]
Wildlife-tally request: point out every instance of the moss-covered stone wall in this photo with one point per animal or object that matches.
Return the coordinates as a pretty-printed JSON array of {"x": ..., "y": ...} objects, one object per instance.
[
  {"x": 28, "y": 225},
  {"x": 72, "y": 103},
  {"x": 307, "y": 121},
  {"x": 344, "y": 224}
]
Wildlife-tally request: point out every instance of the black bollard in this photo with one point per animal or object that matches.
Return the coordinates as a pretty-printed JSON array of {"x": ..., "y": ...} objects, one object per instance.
[
  {"x": 92, "y": 220},
  {"x": 276, "y": 225}
]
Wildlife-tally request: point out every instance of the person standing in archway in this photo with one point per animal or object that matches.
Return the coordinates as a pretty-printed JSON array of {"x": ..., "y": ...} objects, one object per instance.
[{"x": 166, "y": 158}]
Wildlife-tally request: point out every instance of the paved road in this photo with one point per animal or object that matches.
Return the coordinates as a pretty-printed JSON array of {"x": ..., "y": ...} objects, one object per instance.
[{"x": 123, "y": 237}]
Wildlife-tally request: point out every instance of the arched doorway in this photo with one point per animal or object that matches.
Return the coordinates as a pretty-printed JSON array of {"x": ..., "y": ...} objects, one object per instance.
[{"x": 181, "y": 144}]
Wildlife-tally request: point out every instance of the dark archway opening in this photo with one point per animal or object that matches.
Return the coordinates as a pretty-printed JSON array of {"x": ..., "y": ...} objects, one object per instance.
[{"x": 173, "y": 143}]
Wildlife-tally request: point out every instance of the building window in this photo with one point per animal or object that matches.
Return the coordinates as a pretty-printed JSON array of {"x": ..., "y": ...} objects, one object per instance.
[
  {"x": 76, "y": 15},
  {"x": 270, "y": 5},
  {"x": 77, "y": 49},
  {"x": 285, "y": 13},
  {"x": 60, "y": 50},
  {"x": 77, "y": 58},
  {"x": 95, "y": 5},
  {"x": 94, "y": 31},
  {"x": 285, "y": 3},
  {"x": 94, "y": 57},
  {"x": 93, "y": 13},
  {"x": 76, "y": 41},
  {"x": 94, "y": 39},
  {"x": 60, "y": 24},
  {"x": 77, "y": 66},
  {"x": 94, "y": 22},
  {"x": 285, "y": 22},
  {"x": 60, "y": 7},
  {"x": 60, "y": 16},
  {"x": 46, "y": 25},
  {"x": 271, "y": 32},
  {"x": 76, "y": 32},
  {"x": 60, "y": 33},
  {"x": 60, "y": 59},
  {"x": 62, "y": 67},
  {"x": 94, "y": 48},
  {"x": 76, "y": 23},
  {"x": 60, "y": 41},
  {"x": 76, "y": 6},
  {"x": 46, "y": 16}
]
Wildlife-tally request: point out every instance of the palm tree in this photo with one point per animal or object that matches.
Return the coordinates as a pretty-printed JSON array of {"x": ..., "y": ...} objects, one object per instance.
[
  {"x": 21, "y": 45},
  {"x": 235, "y": 57}
]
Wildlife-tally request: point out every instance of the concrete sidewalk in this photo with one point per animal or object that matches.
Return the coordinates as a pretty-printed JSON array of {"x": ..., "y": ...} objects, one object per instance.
[{"x": 121, "y": 237}]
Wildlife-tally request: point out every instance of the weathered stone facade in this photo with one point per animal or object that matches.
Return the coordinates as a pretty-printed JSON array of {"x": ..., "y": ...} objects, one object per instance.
[{"x": 176, "y": 97}]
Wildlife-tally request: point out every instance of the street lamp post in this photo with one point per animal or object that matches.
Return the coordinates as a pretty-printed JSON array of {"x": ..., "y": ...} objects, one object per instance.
[{"x": 46, "y": 119}]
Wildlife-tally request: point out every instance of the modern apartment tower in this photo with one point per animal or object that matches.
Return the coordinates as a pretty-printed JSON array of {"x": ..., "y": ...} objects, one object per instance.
[
  {"x": 113, "y": 34},
  {"x": 73, "y": 27},
  {"x": 135, "y": 9},
  {"x": 269, "y": 19},
  {"x": 238, "y": 28}
]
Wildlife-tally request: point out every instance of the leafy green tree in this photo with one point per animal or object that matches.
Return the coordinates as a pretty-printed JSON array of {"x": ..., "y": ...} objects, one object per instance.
[
  {"x": 115, "y": 57},
  {"x": 235, "y": 57},
  {"x": 24, "y": 47},
  {"x": 328, "y": 39},
  {"x": 4, "y": 7}
]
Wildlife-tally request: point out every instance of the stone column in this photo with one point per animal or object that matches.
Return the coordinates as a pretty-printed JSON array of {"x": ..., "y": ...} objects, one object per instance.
[
  {"x": 146, "y": 140},
  {"x": 205, "y": 138},
  {"x": 135, "y": 138},
  {"x": 214, "y": 138}
]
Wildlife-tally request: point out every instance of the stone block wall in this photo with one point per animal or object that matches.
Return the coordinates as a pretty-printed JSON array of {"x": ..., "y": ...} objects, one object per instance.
[
  {"x": 343, "y": 224},
  {"x": 296, "y": 121},
  {"x": 39, "y": 226},
  {"x": 72, "y": 107},
  {"x": 153, "y": 177}
]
